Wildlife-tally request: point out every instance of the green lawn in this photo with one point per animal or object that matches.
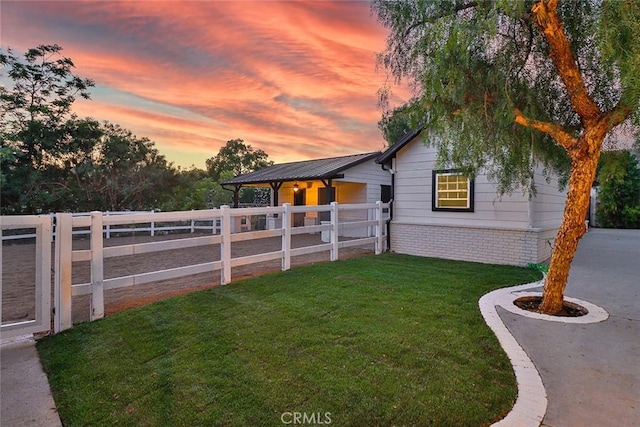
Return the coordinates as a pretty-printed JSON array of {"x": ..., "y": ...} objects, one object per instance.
[{"x": 376, "y": 340}]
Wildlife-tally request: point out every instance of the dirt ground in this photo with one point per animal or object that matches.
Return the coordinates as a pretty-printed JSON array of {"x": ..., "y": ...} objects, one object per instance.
[{"x": 18, "y": 271}]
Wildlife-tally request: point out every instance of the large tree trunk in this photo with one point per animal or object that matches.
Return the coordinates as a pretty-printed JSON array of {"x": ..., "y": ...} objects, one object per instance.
[
  {"x": 584, "y": 152},
  {"x": 573, "y": 227}
]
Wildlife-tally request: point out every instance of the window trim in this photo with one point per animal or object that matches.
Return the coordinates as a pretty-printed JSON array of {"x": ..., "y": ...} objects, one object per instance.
[{"x": 434, "y": 191}]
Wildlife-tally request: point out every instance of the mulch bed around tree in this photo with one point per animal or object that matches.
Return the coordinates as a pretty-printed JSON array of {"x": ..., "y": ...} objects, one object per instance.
[{"x": 532, "y": 303}]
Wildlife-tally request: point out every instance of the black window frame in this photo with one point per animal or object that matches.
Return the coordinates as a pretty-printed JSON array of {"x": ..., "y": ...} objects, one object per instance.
[{"x": 434, "y": 191}]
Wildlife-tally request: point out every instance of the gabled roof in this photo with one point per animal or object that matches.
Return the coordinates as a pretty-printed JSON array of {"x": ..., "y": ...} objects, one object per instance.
[
  {"x": 391, "y": 151},
  {"x": 300, "y": 171}
]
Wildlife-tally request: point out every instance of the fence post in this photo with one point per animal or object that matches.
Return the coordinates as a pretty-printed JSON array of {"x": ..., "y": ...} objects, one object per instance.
[
  {"x": 63, "y": 268},
  {"x": 44, "y": 234},
  {"x": 108, "y": 227},
  {"x": 193, "y": 223},
  {"x": 97, "y": 267},
  {"x": 153, "y": 225},
  {"x": 334, "y": 231},
  {"x": 379, "y": 228},
  {"x": 286, "y": 236},
  {"x": 225, "y": 246}
]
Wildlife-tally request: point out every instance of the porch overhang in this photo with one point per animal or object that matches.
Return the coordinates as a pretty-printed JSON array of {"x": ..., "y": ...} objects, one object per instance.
[{"x": 325, "y": 170}]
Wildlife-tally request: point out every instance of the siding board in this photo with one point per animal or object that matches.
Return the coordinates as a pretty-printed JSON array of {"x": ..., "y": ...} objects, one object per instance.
[{"x": 510, "y": 229}]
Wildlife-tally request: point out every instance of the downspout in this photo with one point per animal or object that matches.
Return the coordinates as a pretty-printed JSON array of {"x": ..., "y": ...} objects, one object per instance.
[{"x": 392, "y": 171}]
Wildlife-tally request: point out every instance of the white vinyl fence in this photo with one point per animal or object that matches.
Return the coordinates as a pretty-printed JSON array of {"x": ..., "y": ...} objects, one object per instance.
[
  {"x": 41, "y": 320},
  {"x": 152, "y": 228},
  {"x": 227, "y": 226}
]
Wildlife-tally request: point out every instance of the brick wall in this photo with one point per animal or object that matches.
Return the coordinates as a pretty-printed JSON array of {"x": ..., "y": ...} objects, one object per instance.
[
  {"x": 546, "y": 242},
  {"x": 479, "y": 244}
]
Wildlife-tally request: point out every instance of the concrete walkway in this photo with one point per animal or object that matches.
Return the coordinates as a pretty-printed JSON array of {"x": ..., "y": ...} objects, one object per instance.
[
  {"x": 25, "y": 397},
  {"x": 591, "y": 372}
]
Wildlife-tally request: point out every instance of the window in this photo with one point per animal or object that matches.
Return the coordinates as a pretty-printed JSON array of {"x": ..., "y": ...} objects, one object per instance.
[{"x": 451, "y": 191}]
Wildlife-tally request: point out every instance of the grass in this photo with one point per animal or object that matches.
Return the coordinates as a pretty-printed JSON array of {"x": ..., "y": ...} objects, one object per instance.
[{"x": 375, "y": 340}]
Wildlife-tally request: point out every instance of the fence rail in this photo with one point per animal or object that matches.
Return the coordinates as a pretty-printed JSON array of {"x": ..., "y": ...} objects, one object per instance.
[
  {"x": 152, "y": 228},
  {"x": 364, "y": 224}
]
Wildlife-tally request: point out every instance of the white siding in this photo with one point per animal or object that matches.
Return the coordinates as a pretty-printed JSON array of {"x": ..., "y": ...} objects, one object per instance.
[
  {"x": 371, "y": 174},
  {"x": 412, "y": 204},
  {"x": 548, "y": 205},
  {"x": 361, "y": 184},
  {"x": 507, "y": 230}
]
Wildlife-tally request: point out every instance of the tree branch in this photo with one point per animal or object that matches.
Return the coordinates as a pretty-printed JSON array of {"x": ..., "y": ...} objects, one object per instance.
[
  {"x": 545, "y": 12},
  {"x": 594, "y": 135},
  {"x": 559, "y": 134},
  {"x": 432, "y": 18},
  {"x": 618, "y": 115}
]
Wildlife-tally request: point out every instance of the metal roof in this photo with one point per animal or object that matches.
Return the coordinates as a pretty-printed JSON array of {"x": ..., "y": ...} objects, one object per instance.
[{"x": 329, "y": 168}]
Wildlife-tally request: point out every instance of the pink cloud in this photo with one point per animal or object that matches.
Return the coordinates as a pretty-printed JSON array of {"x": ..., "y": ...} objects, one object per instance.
[{"x": 296, "y": 79}]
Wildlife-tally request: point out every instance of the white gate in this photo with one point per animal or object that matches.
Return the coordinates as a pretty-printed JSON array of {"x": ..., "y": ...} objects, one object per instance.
[{"x": 41, "y": 321}]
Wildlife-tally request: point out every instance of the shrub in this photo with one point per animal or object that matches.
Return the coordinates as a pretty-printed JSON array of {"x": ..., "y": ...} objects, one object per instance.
[
  {"x": 631, "y": 216},
  {"x": 619, "y": 178}
]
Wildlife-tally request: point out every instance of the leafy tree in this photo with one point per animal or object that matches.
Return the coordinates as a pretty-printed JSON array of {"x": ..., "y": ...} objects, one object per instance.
[
  {"x": 396, "y": 123},
  {"x": 260, "y": 196},
  {"x": 61, "y": 184},
  {"x": 203, "y": 194},
  {"x": 53, "y": 161},
  {"x": 185, "y": 180},
  {"x": 619, "y": 195},
  {"x": 238, "y": 158},
  {"x": 196, "y": 190},
  {"x": 104, "y": 168},
  {"x": 33, "y": 113},
  {"x": 497, "y": 81},
  {"x": 118, "y": 171}
]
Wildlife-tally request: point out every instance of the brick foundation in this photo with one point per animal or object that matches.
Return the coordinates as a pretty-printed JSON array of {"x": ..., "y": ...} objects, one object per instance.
[{"x": 479, "y": 244}]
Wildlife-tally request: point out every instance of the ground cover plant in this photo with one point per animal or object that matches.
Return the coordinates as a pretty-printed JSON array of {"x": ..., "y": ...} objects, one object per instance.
[{"x": 379, "y": 340}]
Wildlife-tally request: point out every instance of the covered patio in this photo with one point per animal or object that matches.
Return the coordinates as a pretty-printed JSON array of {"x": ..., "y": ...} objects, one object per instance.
[{"x": 346, "y": 179}]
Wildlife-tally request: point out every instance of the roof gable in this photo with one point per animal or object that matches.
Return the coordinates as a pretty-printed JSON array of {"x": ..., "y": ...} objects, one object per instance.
[{"x": 390, "y": 153}]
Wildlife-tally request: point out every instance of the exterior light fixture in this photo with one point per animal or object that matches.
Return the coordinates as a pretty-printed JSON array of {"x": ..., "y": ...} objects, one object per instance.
[{"x": 296, "y": 187}]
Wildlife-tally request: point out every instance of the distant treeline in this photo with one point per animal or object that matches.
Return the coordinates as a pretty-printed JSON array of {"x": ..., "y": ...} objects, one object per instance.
[{"x": 53, "y": 161}]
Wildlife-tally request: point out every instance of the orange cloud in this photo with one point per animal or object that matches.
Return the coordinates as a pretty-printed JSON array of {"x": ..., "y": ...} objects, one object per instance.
[{"x": 294, "y": 78}]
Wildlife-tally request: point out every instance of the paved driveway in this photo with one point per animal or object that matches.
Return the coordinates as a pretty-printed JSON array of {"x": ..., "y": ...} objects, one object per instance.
[{"x": 592, "y": 372}]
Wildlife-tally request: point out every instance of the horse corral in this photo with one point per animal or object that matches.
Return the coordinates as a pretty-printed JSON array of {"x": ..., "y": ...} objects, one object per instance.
[{"x": 18, "y": 269}]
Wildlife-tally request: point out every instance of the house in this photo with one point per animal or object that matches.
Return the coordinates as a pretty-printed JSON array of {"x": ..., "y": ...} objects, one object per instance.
[
  {"x": 346, "y": 179},
  {"x": 442, "y": 213}
]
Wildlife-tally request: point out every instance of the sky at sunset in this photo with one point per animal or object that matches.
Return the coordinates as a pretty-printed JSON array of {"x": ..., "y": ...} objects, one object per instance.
[{"x": 294, "y": 78}]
